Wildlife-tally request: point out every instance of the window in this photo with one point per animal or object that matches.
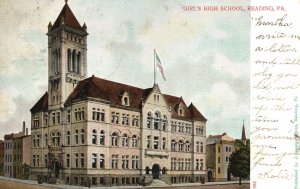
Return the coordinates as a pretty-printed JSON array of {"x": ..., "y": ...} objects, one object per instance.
[
  {"x": 114, "y": 139},
  {"x": 115, "y": 118},
  {"x": 55, "y": 138},
  {"x": 79, "y": 114},
  {"x": 173, "y": 145},
  {"x": 219, "y": 149},
  {"x": 125, "y": 140},
  {"x": 180, "y": 127},
  {"x": 180, "y": 146},
  {"x": 226, "y": 159},
  {"x": 46, "y": 119},
  {"x": 76, "y": 136},
  {"x": 125, "y": 101},
  {"x": 219, "y": 170},
  {"x": 114, "y": 162},
  {"x": 219, "y": 160},
  {"x": 102, "y": 137},
  {"x": 156, "y": 142},
  {"x": 188, "y": 128},
  {"x": 201, "y": 147},
  {"x": 173, "y": 163},
  {"x": 125, "y": 119},
  {"x": 149, "y": 117},
  {"x": 36, "y": 122},
  {"x": 173, "y": 126},
  {"x": 69, "y": 116},
  {"x": 134, "y": 142},
  {"x": 164, "y": 123},
  {"x": 156, "y": 120},
  {"x": 58, "y": 117},
  {"x": 36, "y": 140},
  {"x": 98, "y": 114},
  {"x": 46, "y": 140},
  {"x": 94, "y": 137},
  {"x": 53, "y": 118},
  {"x": 125, "y": 161},
  {"x": 198, "y": 146},
  {"x": 164, "y": 143},
  {"x": 82, "y": 160},
  {"x": 76, "y": 160},
  {"x": 94, "y": 160},
  {"x": 135, "y": 120},
  {"x": 187, "y": 146},
  {"x": 46, "y": 160},
  {"x": 135, "y": 162},
  {"x": 101, "y": 161},
  {"x": 68, "y": 160},
  {"x": 149, "y": 142},
  {"x": 82, "y": 136},
  {"x": 68, "y": 137},
  {"x": 34, "y": 160},
  {"x": 197, "y": 164},
  {"x": 201, "y": 130}
]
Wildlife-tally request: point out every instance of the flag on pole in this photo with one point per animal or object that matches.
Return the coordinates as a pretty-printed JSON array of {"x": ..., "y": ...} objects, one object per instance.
[{"x": 159, "y": 65}]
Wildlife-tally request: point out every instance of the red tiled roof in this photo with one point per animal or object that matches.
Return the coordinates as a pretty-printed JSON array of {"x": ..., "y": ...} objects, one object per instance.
[
  {"x": 111, "y": 91},
  {"x": 69, "y": 19},
  {"x": 41, "y": 105},
  {"x": 195, "y": 113}
]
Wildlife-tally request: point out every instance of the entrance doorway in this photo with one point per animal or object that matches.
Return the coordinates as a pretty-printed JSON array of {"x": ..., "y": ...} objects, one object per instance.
[
  {"x": 209, "y": 176},
  {"x": 155, "y": 171}
]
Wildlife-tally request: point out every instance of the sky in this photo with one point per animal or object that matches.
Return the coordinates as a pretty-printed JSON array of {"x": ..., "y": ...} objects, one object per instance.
[{"x": 205, "y": 55}]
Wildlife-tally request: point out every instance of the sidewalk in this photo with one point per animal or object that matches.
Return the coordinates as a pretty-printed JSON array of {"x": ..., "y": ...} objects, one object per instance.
[{"x": 31, "y": 184}]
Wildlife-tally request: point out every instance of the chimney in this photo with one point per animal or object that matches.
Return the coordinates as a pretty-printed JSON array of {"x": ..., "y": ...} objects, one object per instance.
[{"x": 23, "y": 127}]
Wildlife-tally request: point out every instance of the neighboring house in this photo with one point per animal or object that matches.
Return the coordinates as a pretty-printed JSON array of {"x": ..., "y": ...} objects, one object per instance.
[
  {"x": 109, "y": 132},
  {"x": 1, "y": 158},
  {"x": 17, "y": 153},
  {"x": 218, "y": 151}
]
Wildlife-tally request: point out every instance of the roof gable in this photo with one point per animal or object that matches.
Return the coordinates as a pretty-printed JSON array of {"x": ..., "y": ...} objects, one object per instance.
[
  {"x": 67, "y": 17},
  {"x": 195, "y": 113}
]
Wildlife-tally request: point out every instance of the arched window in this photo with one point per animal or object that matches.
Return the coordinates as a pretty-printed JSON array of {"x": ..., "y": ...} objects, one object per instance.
[
  {"x": 125, "y": 140},
  {"x": 156, "y": 120},
  {"x": 173, "y": 145},
  {"x": 73, "y": 65},
  {"x": 134, "y": 142},
  {"x": 114, "y": 139},
  {"x": 69, "y": 60},
  {"x": 187, "y": 146},
  {"x": 125, "y": 101},
  {"x": 180, "y": 146},
  {"x": 78, "y": 66},
  {"x": 149, "y": 117},
  {"x": 102, "y": 137},
  {"x": 94, "y": 137},
  {"x": 164, "y": 123}
]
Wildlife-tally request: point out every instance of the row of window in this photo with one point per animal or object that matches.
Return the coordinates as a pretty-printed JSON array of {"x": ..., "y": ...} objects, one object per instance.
[
  {"x": 181, "y": 127},
  {"x": 126, "y": 120},
  {"x": 155, "y": 143},
  {"x": 185, "y": 164},
  {"x": 74, "y": 61},
  {"x": 157, "y": 122},
  {"x": 11, "y": 145}
]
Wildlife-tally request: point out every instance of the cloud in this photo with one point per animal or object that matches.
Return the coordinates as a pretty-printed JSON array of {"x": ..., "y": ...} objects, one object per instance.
[{"x": 233, "y": 69}]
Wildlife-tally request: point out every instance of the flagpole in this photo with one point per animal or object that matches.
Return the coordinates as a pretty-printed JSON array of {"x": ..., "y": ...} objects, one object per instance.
[{"x": 154, "y": 68}]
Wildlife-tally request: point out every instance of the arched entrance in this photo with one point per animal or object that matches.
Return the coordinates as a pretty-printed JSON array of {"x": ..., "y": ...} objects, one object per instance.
[{"x": 155, "y": 171}]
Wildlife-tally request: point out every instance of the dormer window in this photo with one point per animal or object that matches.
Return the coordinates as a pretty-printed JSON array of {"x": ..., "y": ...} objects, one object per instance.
[
  {"x": 125, "y": 99},
  {"x": 180, "y": 110}
]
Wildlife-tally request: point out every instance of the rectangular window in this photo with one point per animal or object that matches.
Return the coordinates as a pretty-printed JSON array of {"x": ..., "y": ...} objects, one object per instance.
[
  {"x": 94, "y": 160},
  {"x": 101, "y": 161},
  {"x": 82, "y": 160},
  {"x": 69, "y": 116},
  {"x": 219, "y": 170},
  {"x": 156, "y": 142},
  {"x": 219, "y": 159},
  {"x": 68, "y": 160}
]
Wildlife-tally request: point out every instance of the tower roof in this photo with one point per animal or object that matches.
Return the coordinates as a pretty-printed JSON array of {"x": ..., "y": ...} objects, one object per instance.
[
  {"x": 243, "y": 132},
  {"x": 67, "y": 17}
]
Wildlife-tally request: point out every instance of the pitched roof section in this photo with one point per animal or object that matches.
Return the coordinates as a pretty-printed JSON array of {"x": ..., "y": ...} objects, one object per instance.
[
  {"x": 41, "y": 105},
  {"x": 195, "y": 113},
  {"x": 112, "y": 91},
  {"x": 66, "y": 15}
]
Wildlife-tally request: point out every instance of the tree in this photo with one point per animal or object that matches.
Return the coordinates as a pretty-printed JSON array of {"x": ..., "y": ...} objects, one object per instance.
[{"x": 239, "y": 164}]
